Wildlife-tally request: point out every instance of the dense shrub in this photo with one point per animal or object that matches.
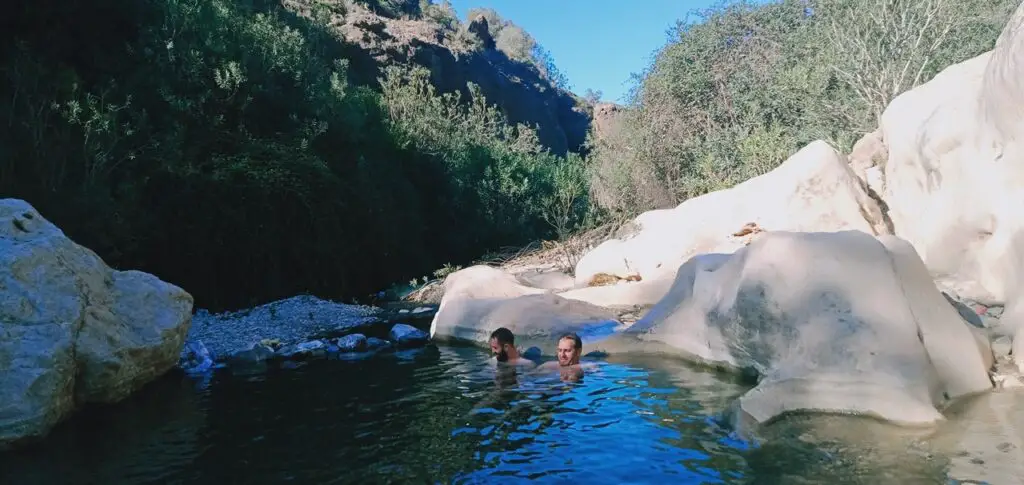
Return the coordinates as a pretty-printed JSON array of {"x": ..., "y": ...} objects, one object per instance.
[
  {"x": 220, "y": 145},
  {"x": 745, "y": 84}
]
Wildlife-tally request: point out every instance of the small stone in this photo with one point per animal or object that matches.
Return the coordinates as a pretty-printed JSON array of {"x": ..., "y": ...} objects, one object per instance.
[
  {"x": 407, "y": 335},
  {"x": 352, "y": 343},
  {"x": 195, "y": 358},
  {"x": 258, "y": 353},
  {"x": 273, "y": 343},
  {"x": 1005, "y": 446},
  {"x": 310, "y": 345},
  {"x": 311, "y": 348},
  {"x": 374, "y": 343}
]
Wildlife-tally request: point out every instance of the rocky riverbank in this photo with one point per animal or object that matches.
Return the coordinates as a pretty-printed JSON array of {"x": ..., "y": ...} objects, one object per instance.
[{"x": 300, "y": 328}]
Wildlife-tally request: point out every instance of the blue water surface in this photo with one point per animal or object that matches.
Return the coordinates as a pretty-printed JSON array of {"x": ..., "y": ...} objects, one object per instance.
[{"x": 434, "y": 415}]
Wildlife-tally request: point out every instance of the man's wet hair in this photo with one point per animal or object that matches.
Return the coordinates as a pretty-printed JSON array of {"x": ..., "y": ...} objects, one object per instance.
[
  {"x": 503, "y": 336},
  {"x": 575, "y": 339}
]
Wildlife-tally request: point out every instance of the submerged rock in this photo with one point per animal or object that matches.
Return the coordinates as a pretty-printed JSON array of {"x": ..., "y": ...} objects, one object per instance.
[
  {"x": 408, "y": 336},
  {"x": 195, "y": 358},
  {"x": 307, "y": 349},
  {"x": 352, "y": 343},
  {"x": 257, "y": 354},
  {"x": 72, "y": 330},
  {"x": 374, "y": 343}
]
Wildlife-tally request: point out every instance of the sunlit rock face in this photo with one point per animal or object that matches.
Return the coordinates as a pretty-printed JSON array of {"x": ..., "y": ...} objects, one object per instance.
[{"x": 836, "y": 322}]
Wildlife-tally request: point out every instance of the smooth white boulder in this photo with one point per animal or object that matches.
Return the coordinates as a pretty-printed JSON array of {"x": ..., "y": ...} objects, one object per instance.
[
  {"x": 814, "y": 190},
  {"x": 479, "y": 299},
  {"x": 831, "y": 321},
  {"x": 954, "y": 175},
  {"x": 72, "y": 330}
]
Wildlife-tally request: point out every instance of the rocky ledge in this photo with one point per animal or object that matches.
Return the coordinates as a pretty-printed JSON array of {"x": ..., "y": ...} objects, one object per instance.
[
  {"x": 74, "y": 331},
  {"x": 299, "y": 328}
]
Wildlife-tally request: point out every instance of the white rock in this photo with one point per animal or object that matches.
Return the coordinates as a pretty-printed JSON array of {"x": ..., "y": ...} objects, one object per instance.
[
  {"x": 954, "y": 179},
  {"x": 814, "y": 190},
  {"x": 835, "y": 321},
  {"x": 73, "y": 331},
  {"x": 479, "y": 299}
]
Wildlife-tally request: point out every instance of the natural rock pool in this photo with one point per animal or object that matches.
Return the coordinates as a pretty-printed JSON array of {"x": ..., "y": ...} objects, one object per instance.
[{"x": 438, "y": 415}]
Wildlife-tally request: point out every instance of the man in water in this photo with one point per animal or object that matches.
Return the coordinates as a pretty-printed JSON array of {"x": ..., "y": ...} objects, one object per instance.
[
  {"x": 570, "y": 347},
  {"x": 503, "y": 346}
]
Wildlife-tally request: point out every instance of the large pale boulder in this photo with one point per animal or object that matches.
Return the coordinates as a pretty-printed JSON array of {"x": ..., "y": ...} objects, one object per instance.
[
  {"x": 954, "y": 177},
  {"x": 939, "y": 188},
  {"x": 831, "y": 321},
  {"x": 72, "y": 330},
  {"x": 479, "y": 299},
  {"x": 814, "y": 190}
]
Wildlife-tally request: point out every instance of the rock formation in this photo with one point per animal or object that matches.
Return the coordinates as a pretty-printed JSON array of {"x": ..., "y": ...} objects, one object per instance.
[
  {"x": 839, "y": 321},
  {"x": 828, "y": 321},
  {"x": 518, "y": 89},
  {"x": 72, "y": 330},
  {"x": 479, "y": 299},
  {"x": 788, "y": 198},
  {"x": 951, "y": 175},
  {"x": 607, "y": 119}
]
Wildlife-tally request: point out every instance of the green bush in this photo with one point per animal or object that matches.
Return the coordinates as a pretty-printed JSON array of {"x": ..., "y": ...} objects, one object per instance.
[
  {"x": 220, "y": 145},
  {"x": 746, "y": 84}
]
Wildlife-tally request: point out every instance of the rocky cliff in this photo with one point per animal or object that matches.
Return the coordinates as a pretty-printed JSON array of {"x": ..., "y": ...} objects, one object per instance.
[{"x": 456, "y": 54}]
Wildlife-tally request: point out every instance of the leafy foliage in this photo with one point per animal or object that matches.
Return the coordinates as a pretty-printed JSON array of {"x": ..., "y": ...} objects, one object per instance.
[
  {"x": 221, "y": 146},
  {"x": 746, "y": 84}
]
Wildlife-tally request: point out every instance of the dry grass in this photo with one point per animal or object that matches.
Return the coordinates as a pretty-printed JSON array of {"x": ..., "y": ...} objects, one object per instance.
[{"x": 562, "y": 255}]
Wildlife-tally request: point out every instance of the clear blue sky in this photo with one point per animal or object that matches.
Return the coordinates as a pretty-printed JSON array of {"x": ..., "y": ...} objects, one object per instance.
[{"x": 597, "y": 44}]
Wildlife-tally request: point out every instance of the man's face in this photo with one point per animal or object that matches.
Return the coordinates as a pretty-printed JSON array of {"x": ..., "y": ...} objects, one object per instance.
[
  {"x": 567, "y": 354},
  {"x": 499, "y": 350}
]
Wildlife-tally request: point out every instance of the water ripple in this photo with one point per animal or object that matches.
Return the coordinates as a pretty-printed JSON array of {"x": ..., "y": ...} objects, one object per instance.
[{"x": 436, "y": 415}]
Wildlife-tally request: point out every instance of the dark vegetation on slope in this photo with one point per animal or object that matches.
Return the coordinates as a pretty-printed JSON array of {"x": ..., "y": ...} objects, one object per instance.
[{"x": 231, "y": 147}]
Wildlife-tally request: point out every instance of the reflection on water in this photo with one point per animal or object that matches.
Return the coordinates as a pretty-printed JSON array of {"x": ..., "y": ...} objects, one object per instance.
[{"x": 441, "y": 415}]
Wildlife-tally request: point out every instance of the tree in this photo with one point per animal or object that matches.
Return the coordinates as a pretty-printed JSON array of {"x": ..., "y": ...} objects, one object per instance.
[{"x": 882, "y": 48}]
